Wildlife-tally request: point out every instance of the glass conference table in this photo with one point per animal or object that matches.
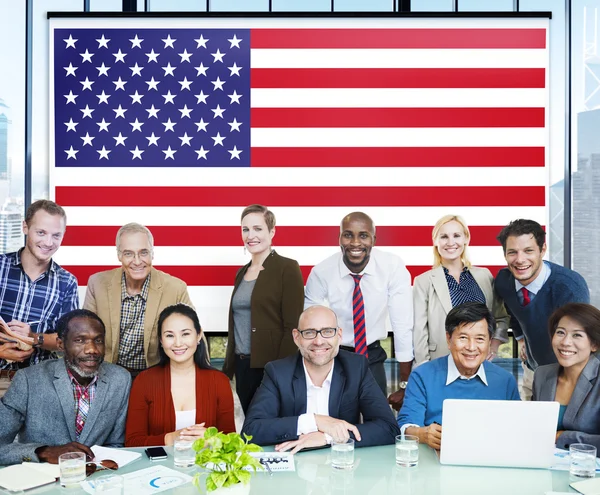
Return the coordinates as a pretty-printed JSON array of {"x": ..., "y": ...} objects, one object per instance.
[{"x": 375, "y": 473}]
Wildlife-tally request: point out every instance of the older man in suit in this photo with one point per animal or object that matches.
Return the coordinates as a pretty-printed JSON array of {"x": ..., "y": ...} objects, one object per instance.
[
  {"x": 129, "y": 300},
  {"x": 66, "y": 405},
  {"x": 319, "y": 394}
]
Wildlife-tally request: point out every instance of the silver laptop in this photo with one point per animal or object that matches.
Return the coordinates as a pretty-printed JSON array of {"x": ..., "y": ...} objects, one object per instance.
[{"x": 498, "y": 433}]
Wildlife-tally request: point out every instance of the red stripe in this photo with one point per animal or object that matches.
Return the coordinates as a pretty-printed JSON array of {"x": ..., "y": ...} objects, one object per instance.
[
  {"x": 400, "y": 157},
  {"x": 398, "y": 78},
  {"x": 397, "y": 117},
  {"x": 398, "y": 38},
  {"x": 300, "y": 196},
  {"x": 214, "y": 275}
]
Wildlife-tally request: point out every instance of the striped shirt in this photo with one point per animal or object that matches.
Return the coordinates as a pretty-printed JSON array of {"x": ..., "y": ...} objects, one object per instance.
[
  {"x": 84, "y": 396},
  {"x": 40, "y": 302},
  {"x": 133, "y": 312},
  {"x": 466, "y": 290}
]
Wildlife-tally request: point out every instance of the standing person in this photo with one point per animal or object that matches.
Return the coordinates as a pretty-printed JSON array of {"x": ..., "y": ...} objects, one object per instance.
[
  {"x": 363, "y": 285},
  {"x": 129, "y": 299},
  {"x": 532, "y": 289},
  {"x": 182, "y": 395},
  {"x": 34, "y": 290},
  {"x": 452, "y": 282},
  {"x": 265, "y": 305}
]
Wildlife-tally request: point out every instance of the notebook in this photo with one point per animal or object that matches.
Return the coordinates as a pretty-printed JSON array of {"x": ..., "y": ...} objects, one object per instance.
[
  {"x": 27, "y": 475},
  {"x": 587, "y": 487}
]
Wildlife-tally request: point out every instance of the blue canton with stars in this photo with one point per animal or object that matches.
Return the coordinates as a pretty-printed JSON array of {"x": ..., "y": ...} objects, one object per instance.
[{"x": 152, "y": 97}]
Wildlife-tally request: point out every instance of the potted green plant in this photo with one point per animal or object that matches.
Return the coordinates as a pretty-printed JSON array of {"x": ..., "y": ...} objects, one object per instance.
[{"x": 227, "y": 458}]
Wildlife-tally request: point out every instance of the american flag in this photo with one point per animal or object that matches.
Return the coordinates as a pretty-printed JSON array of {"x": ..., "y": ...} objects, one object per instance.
[{"x": 180, "y": 124}]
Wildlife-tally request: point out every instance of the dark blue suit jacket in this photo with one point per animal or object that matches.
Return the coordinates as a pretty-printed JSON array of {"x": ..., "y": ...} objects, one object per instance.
[{"x": 281, "y": 398}]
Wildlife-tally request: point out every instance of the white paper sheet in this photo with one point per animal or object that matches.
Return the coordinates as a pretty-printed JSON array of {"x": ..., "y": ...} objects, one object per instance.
[
  {"x": 147, "y": 481},
  {"x": 121, "y": 456}
]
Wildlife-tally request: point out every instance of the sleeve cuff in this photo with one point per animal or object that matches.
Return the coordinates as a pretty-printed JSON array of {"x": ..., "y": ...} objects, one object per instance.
[
  {"x": 306, "y": 424},
  {"x": 407, "y": 425}
]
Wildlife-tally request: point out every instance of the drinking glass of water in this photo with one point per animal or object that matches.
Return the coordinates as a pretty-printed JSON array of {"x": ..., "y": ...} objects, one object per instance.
[
  {"x": 342, "y": 454},
  {"x": 72, "y": 468},
  {"x": 184, "y": 455},
  {"x": 407, "y": 450},
  {"x": 583, "y": 460}
]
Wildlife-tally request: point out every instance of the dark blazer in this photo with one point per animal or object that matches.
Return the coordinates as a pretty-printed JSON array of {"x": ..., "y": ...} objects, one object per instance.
[
  {"x": 581, "y": 421},
  {"x": 39, "y": 406},
  {"x": 276, "y": 304},
  {"x": 281, "y": 398}
]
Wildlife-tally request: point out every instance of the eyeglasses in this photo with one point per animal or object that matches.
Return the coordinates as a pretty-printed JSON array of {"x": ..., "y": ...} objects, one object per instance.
[
  {"x": 130, "y": 255},
  {"x": 92, "y": 466},
  {"x": 311, "y": 333}
]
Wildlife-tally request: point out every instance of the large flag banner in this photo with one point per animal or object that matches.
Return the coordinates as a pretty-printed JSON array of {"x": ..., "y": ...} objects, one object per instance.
[{"x": 179, "y": 124}]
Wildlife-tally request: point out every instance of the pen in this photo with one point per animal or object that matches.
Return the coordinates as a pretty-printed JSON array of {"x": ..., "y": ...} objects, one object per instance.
[
  {"x": 34, "y": 322},
  {"x": 266, "y": 464}
]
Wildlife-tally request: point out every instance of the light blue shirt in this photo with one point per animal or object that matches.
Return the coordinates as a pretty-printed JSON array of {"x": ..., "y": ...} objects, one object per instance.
[
  {"x": 454, "y": 374},
  {"x": 535, "y": 286}
]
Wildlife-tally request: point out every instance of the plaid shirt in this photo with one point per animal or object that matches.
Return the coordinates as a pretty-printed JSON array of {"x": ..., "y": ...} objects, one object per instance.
[
  {"x": 43, "y": 300},
  {"x": 133, "y": 311},
  {"x": 84, "y": 397}
]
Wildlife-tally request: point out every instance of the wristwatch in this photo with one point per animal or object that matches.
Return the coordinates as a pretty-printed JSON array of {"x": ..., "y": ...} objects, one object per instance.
[
  {"x": 403, "y": 385},
  {"x": 40, "y": 340}
]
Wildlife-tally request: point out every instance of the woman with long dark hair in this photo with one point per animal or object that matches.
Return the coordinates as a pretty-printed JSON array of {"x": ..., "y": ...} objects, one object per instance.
[{"x": 182, "y": 395}]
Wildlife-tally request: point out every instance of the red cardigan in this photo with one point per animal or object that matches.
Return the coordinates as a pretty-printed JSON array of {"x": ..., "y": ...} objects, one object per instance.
[{"x": 151, "y": 413}]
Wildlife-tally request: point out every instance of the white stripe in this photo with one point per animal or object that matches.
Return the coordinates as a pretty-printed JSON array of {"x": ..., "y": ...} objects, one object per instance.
[
  {"x": 368, "y": 58},
  {"x": 382, "y": 137},
  {"x": 397, "y": 97},
  {"x": 298, "y": 177},
  {"x": 301, "y": 216},
  {"x": 234, "y": 255}
]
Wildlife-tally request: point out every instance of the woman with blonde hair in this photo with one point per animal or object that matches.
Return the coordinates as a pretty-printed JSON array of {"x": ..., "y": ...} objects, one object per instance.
[{"x": 452, "y": 281}]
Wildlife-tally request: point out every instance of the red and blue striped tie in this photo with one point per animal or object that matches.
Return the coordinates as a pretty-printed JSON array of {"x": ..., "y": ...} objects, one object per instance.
[{"x": 358, "y": 307}]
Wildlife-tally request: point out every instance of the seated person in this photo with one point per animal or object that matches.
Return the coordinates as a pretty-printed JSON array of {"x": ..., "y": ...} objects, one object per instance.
[
  {"x": 69, "y": 404},
  {"x": 573, "y": 381},
  {"x": 319, "y": 393},
  {"x": 182, "y": 395},
  {"x": 464, "y": 374}
]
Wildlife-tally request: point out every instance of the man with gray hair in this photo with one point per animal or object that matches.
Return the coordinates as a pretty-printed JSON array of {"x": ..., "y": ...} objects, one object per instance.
[{"x": 129, "y": 300}]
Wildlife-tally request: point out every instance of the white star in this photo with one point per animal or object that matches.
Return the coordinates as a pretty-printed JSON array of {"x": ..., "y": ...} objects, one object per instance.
[
  {"x": 201, "y": 97},
  {"x": 71, "y": 125},
  {"x": 103, "y": 153},
  {"x": 136, "y": 42},
  {"x": 71, "y": 153},
  {"x": 70, "y": 70},
  {"x": 136, "y": 70},
  {"x": 70, "y": 97},
  {"x": 70, "y": 42},
  {"x": 136, "y": 126},
  {"x": 120, "y": 139},
  {"x": 201, "y": 41},
  {"x": 153, "y": 112},
  {"x": 120, "y": 84},
  {"x": 169, "y": 41},
  {"x": 169, "y": 69},
  {"x": 218, "y": 139},
  {"x": 87, "y": 139},
  {"x": 87, "y": 84},
  {"x": 218, "y": 111},
  {"x": 152, "y": 56},
  {"x": 119, "y": 112},
  {"x": 235, "y": 125},
  {"x": 169, "y": 97},
  {"x": 201, "y": 125},
  {"x": 235, "y": 98},
  {"x": 218, "y": 56},
  {"x": 185, "y": 111},
  {"x": 202, "y": 153},
  {"x": 185, "y": 84},
  {"x": 119, "y": 56},
  {"x": 137, "y": 153},
  {"x": 235, "y": 41},
  {"x": 169, "y": 153},
  {"x": 86, "y": 57},
  {"x": 185, "y": 56},
  {"x": 103, "y": 42},
  {"x": 87, "y": 112},
  {"x": 169, "y": 126},
  {"x": 102, "y": 70},
  {"x": 103, "y": 98},
  {"x": 185, "y": 139},
  {"x": 153, "y": 140},
  {"x": 218, "y": 84},
  {"x": 103, "y": 126},
  {"x": 234, "y": 70},
  {"x": 152, "y": 84},
  {"x": 136, "y": 98},
  {"x": 235, "y": 153},
  {"x": 201, "y": 69}
]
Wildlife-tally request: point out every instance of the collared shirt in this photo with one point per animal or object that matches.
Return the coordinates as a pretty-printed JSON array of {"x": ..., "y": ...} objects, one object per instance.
[
  {"x": 467, "y": 290},
  {"x": 386, "y": 290},
  {"x": 84, "y": 396},
  {"x": 535, "y": 286},
  {"x": 454, "y": 374},
  {"x": 40, "y": 302},
  {"x": 133, "y": 312},
  {"x": 317, "y": 402}
]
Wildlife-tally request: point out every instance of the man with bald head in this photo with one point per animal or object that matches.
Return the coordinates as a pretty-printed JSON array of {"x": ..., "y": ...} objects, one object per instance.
[
  {"x": 364, "y": 286},
  {"x": 319, "y": 394}
]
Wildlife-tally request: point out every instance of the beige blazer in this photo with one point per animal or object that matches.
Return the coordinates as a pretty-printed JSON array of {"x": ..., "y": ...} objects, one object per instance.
[
  {"x": 103, "y": 297},
  {"x": 431, "y": 300}
]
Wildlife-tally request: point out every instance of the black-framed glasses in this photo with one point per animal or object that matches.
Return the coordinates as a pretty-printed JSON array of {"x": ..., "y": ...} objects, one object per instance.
[{"x": 311, "y": 333}]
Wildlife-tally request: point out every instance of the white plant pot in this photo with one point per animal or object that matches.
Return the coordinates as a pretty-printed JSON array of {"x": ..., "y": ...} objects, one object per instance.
[{"x": 238, "y": 489}]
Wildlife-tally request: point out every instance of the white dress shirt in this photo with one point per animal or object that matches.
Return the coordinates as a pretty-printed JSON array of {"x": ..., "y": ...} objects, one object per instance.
[
  {"x": 317, "y": 402},
  {"x": 386, "y": 290}
]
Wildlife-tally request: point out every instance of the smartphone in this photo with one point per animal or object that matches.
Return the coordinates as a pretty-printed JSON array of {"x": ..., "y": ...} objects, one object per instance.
[{"x": 156, "y": 453}]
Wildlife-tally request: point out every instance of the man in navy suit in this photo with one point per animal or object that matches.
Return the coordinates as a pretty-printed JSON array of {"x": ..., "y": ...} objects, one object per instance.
[{"x": 319, "y": 394}]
